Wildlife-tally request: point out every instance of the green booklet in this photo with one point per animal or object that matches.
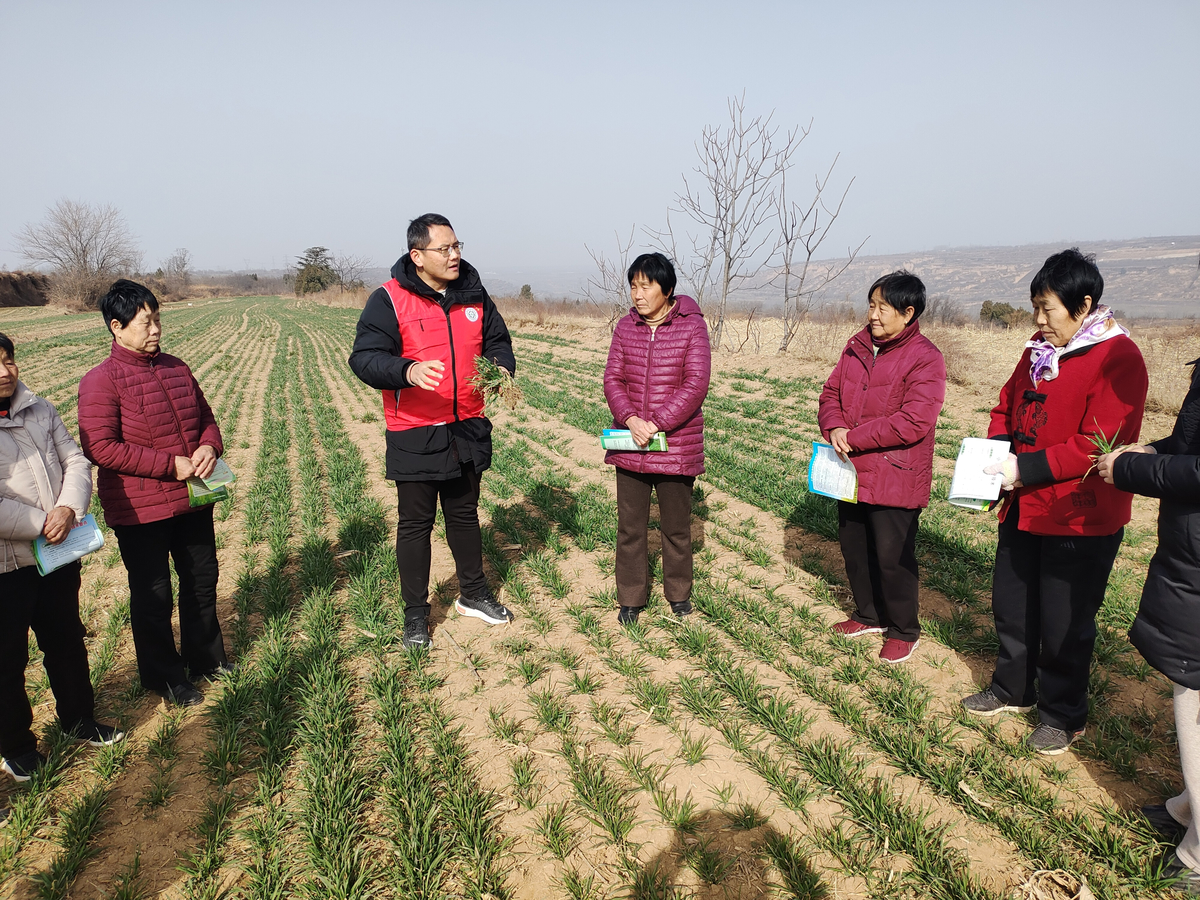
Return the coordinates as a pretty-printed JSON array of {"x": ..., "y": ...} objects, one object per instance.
[
  {"x": 203, "y": 491},
  {"x": 622, "y": 439}
]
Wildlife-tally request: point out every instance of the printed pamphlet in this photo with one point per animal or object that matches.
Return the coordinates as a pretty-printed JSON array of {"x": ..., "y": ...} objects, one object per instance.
[
  {"x": 203, "y": 491},
  {"x": 622, "y": 439},
  {"x": 81, "y": 540},
  {"x": 970, "y": 487},
  {"x": 831, "y": 476}
]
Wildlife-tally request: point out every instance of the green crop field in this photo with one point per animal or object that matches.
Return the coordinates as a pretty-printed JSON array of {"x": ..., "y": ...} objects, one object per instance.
[{"x": 744, "y": 752}]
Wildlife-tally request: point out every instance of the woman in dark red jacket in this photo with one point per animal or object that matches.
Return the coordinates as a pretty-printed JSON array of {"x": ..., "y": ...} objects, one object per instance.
[
  {"x": 880, "y": 408},
  {"x": 656, "y": 380},
  {"x": 144, "y": 421},
  {"x": 1080, "y": 378}
]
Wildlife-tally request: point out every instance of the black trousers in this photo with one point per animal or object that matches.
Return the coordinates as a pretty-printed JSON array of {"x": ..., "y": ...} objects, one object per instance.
[
  {"x": 1046, "y": 591},
  {"x": 879, "y": 547},
  {"x": 50, "y": 606},
  {"x": 416, "y": 503},
  {"x": 147, "y": 551},
  {"x": 633, "y": 522}
]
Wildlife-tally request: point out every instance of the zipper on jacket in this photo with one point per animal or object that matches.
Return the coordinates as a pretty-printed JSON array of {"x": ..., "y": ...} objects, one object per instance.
[
  {"x": 453, "y": 360},
  {"x": 646, "y": 392},
  {"x": 174, "y": 414}
]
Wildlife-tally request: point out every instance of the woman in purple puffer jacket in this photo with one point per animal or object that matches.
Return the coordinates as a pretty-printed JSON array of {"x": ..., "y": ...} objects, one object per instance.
[
  {"x": 656, "y": 380},
  {"x": 880, "y": 408}
]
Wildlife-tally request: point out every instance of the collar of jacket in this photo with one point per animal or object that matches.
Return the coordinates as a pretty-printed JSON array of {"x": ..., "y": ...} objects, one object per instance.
[
  {"x": 464, "y": 289},
  {"x": 684, "y": 306},
  {"x": 132, "y": 357},
  {"x": 22, "y": 399},
  {"x": 862, "y": 341}
]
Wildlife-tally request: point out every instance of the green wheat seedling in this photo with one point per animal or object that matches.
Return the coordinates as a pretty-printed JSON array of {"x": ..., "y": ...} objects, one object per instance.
[
  {"x": 81, "y": 822},
  {"x": 530, "y": 670},
  {"x": 504, "y": 728},
  {"x": 646, "y": 775},
  {"x": 584, "y": 682},
  {"x": 693, "y": 749},
  {"x": 707, "y": 862},
  {"x": 799, "y": 877},
  {"x": 495, "y": 382},
  {"x": 654, "y": 698},
  {"x": 611, "y": 720},
  {"x": 682, "y": 815},
  {"x": 1103, "y": 445},
  {"x": 129, "y": 884},
  {"x": 603, "y": 801},
  {"x": 524, "y": 777},
  {"x": 554, "y": 826},
  {"x": 551, "y": 710},
  {"x": 746, "y": 817}
]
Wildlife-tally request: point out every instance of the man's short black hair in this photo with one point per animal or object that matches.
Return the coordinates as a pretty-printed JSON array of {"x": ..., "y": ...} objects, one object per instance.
[
  {"x": 1070, "y": 276},
  {"x": 654, "y": 267},
  {"x": 418, "y": 229},
  {"x": 6, "y": 346},
  {"x": 900, "y": 290},
  {"x": 123, "y": 301}
]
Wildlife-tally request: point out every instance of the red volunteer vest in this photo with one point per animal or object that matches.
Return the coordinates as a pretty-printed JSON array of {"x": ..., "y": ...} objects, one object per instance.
[{"x": 428, "y": 332}]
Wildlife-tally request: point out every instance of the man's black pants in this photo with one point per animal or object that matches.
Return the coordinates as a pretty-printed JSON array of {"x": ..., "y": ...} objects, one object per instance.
[
  {"x": 879, "y": 547},
  {"x": 50, "y": 606},
  {"x": 147, "y": 551},
  {"x": 416, "y": 503},
  {"x": 1046, "y": 591}
]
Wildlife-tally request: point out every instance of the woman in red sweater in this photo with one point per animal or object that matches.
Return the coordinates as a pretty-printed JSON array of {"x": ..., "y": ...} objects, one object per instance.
[{"x": 1080, "y": 378}]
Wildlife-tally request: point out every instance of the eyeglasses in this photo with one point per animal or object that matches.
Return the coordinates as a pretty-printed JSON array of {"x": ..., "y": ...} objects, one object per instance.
[{"x": 445, "y": 251}]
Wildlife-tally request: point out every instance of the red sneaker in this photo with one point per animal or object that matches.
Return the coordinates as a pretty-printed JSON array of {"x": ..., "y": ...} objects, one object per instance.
[
  {"x": 850, "y": 628},
  {"x": 897, "y": 651}
]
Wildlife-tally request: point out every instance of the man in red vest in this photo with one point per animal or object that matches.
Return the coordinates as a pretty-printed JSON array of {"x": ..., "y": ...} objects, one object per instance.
[{"x": 417, "y": 340}]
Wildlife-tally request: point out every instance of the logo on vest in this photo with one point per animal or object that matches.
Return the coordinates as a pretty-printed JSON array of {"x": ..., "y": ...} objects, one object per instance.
[{"x": 472, "y": 314}]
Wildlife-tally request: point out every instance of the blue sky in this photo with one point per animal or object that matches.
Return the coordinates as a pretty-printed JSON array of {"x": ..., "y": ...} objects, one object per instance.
[{"x": 249, "y": 131}]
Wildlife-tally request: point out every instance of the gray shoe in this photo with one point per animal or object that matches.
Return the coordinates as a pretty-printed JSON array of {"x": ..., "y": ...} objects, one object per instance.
[
  {"x": 416, "y": 634},
  {"x": 1186, "y": 880},
  {"x": 1050, "y": 741},
  {"x": 986, "y": 703},
  {"x": 184, "y": 694},
  {"x": 486, "y": 607}
]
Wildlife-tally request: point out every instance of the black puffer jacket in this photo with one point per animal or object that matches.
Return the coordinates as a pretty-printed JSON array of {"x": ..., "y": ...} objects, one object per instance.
[
  {"x": 1167, "y": 628},
  {"x": 436, "y": 452}
]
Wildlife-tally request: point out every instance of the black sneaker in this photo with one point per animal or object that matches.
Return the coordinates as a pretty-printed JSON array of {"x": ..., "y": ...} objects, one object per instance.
[
  {"x": 1050, "y": 741},
  {"x": 96, "y": 733},
  {"x": 629, "y": 614},
  {"x": 183, "y": 694},
  {"x": 985, "y": 703},
  {"x": 683, "y": 608},
  {"x": 22, "y": 767},
  {"x": 486, "y": 607},
  {"x": 222, "y": 671},
  {"x": 1163, "y": 822},
  {"x": 416, "y": 634}
]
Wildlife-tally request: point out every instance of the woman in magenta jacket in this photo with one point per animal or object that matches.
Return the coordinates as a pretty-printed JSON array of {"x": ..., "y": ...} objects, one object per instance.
[
  {"x": 656, "y": 380},
  {"x": 879, "y": 408},
  {"x": 1061, "y": 524}
]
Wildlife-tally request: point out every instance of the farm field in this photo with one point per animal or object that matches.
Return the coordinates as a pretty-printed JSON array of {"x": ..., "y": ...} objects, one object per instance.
[{"x": 743, "y": 752}]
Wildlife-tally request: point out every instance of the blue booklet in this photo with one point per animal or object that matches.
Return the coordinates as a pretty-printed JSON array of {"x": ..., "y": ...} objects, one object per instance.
[{"x": 81, "y": 540}]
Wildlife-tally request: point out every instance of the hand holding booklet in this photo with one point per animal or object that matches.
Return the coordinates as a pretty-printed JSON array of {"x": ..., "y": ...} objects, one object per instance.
[
  {"x": 622, "y": 439},
  {"x": 970, "y": 487},
  {"x": 81, "y": 540},
  {"x": 831, "y": 476},
  {"x": 203, "y": 491}
]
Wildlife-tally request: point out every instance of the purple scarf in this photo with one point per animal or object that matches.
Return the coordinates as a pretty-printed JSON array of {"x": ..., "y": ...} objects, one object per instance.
[{"x": 1095, "y": 329}]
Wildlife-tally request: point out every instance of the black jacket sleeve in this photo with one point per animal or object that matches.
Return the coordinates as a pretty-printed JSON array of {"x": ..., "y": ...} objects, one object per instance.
[
  {"x": 1159, "y": 475},
  {"x": 378, "y": 358},
  {"x": 497, "y": 342}
]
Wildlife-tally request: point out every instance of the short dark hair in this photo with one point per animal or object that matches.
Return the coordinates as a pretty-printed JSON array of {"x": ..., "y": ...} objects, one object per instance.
[
  {"x": 1070, "y": 276},
  {"x": 900, "y": 290},
  {"x": 654, "y": 267},
  {"x": 6, "y": 346},
  {"x": 123, "y": 301},
  {"x": 418, "y": 229}
]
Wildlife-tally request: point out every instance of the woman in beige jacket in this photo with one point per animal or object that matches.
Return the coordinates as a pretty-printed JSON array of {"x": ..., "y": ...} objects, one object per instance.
[{"x": 45, "y": 490}]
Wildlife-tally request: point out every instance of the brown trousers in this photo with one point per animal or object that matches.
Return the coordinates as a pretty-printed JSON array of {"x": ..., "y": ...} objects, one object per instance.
[{"x": 633, "y": 522}]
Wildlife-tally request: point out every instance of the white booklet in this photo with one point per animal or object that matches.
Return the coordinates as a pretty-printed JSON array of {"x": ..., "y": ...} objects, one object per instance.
[
  {"x": 831, "y": 476},
  {"x": 203, "y": 491},
  {"x": 81, "y": 540},
  {"x": 970, "y": 487}
]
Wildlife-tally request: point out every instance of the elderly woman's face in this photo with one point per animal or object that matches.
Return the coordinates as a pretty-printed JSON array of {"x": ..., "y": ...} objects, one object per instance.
[
  {"x": 648, "y": 297},
  {"x": 1057, "y": 325},
  {"x": 8, "y": 375},
  {"x": 142, "y": 334},
  {"x": 884, "y": 320}
]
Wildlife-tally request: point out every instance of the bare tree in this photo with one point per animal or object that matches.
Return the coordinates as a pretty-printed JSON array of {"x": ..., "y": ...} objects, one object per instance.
[
  {"x": 802, "y": 230},
  {"x": 85, "y": 247},
  {"x": 350, "y": 270},
  {"x": 177, "y": 270},
  {"x": 607, "y": 288},
  {"x": 731, "y": 200}
]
